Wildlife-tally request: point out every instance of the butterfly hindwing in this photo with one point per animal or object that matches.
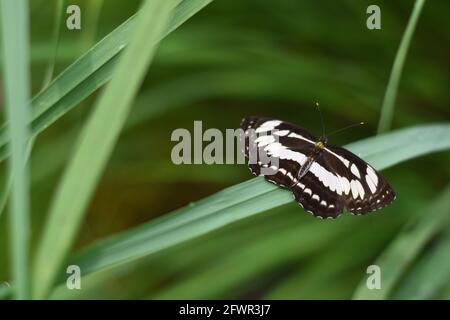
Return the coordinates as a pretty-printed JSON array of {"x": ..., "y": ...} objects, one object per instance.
[
  {"x": 321, "y": 202},
  {"x": 369, "y": 191}
]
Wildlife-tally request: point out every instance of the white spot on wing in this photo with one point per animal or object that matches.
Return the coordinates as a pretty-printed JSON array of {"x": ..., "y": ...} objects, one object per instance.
[
  {"x": 281, "y": 133},
  {"x": 264, "y": 140},
  {"x": 357, "y": 189},
  {"x": 328, "y": 179},
  {"x": 315, "y": 197},
  {"x": 371, "y": 184},
  {"x": 268, "y": 126},
  {"x": 372, "y": 174},
  {"x": 360, "y": 189},
  {"x": 355, "y": 170},
  {"x": 295, "y": 135},
  {"x": 345, "y": 184},
  {"x": 278, "y": 150},
  {"x": 354, "y": 187}
]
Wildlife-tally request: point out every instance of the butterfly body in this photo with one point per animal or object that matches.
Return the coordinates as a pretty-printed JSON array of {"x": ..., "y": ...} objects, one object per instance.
[
  {"x": 314, "y": 154},
  {"x": 324, "y": 179}
]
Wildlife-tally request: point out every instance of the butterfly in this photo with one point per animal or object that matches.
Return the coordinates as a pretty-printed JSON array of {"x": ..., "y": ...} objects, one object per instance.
[{"x": 324, "y": 179}]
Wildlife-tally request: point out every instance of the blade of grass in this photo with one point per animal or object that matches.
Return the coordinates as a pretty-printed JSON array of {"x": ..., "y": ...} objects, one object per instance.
[
  {"x": 387, "y": 109},
  {"x": 14, "y": 16},
  {"x": 189, "y": 255},
  {"x": 90, "y": 72},
  {"x": 97, "y": 138},
  {"x": 399, "y": 147},
  {"x": 429, "y": 275},
  {"x": 407, "y": 245},
  {"x": 241, "y": 201},
  {"x": 56, "y": 38}
]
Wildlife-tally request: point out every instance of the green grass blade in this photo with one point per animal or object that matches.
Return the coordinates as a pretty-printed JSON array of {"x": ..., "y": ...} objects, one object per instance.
[
  {"x": 430, "y": 275},
  {"x": 408, "y": 244},
  {"x": 244, "y": 200},
  {"x": 196, "y": 253},
  {"x": 90, "y": 72},
  {"x": 96, "y": 142},
  {"x": 276, "y": 249},
  {"x": 393, "y": 149},
  {"x": 14, "y": 16},
  {"x": 387, "y": 109},
  {"x": 59, "y": 13}
]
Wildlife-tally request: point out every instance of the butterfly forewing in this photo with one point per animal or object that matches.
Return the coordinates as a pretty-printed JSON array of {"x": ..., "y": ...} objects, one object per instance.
[
  {"x": 336, "y": 179},
  {"x": 293, "y": 138}
]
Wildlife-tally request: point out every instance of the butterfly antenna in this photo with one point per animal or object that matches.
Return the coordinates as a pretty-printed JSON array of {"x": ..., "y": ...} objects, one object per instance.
[
  {"x": 347, "y": 127},
  {"x": 321, "y": 119}
]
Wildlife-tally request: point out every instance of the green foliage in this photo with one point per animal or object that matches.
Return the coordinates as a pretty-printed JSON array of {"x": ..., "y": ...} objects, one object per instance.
[
  {"x": 88, "y": 73},
  {"x": 141, "y": 227},
  {"x": 430, "y": 274},
  {"x": 98, "y": 137},
  {"x": 387, "y": 109},
  {"x": 14, "y": 16},
  {"x": 242, "y": 201},
  {"x": 407, "y": 246}
]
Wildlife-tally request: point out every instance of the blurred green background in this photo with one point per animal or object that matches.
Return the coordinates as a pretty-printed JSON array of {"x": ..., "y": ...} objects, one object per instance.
[{"x": 232, "y": 59}]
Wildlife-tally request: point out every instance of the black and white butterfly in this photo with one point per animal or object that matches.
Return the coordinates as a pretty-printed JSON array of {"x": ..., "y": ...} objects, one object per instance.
[{"x": 324, "y": 179}]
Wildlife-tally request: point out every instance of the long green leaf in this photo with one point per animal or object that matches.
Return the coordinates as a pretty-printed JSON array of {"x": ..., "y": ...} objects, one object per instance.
[
  {"x": 90, "y": 72},
  {"x": 14, "y": 16},
  {"x": 244, "y": 200},
  {"x": 96, "y": 142},
  {"x": 387, "y": 109},
  {"x": 408, "y": 244},
  {"x": 59, "y": 13}
]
